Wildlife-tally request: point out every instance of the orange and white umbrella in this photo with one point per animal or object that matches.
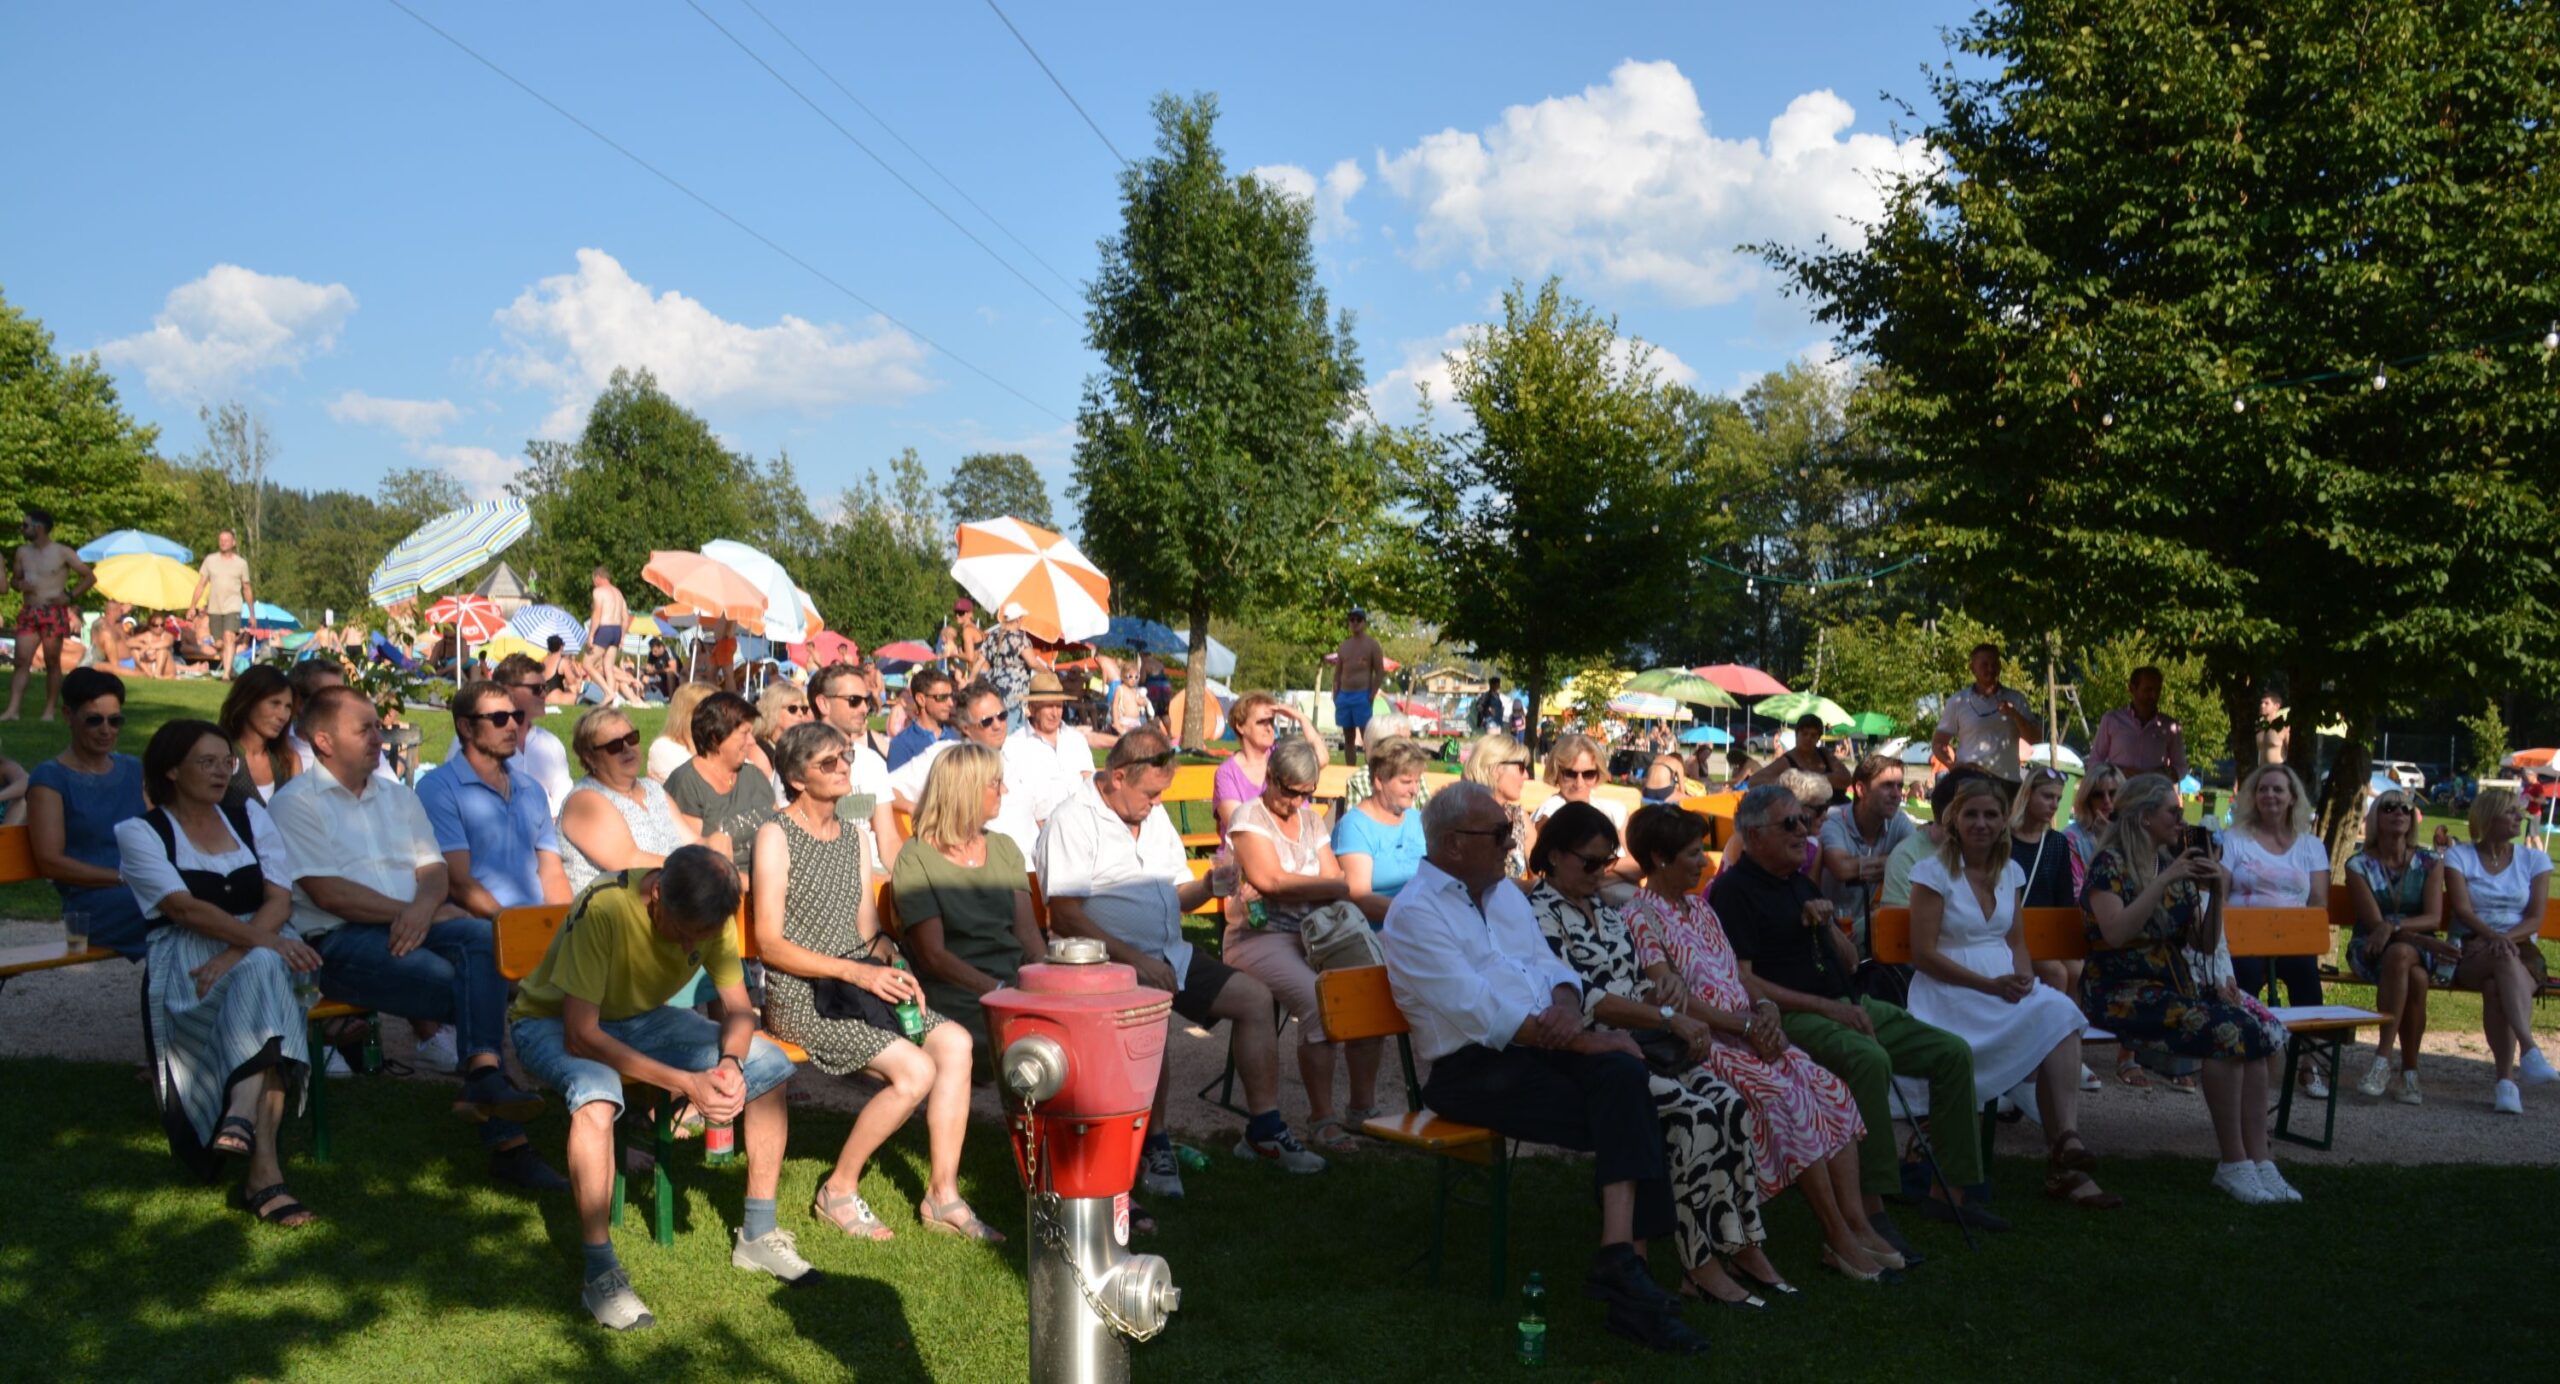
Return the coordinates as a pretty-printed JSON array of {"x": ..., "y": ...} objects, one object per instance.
[
  {"x": 707, "y": 587},
  {"x": 1063, "y": 596}
]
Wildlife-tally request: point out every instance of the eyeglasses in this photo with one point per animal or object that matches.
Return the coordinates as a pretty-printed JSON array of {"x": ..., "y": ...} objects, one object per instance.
[
  {"x": 828, "y": 762},
  {"x": 620, "y": 744},
  {"x": 852, "y": 698},
  {"x": 1577, "y": 774},
  {"x": 1799, "y": 823},
  {"x": 1161, "y": 759},
  {"x": 1595, "y": 863},
  {"x": 935, "y": 696},
  {"x": 985, "y": 721},
  {"x": 1293, "y": 792},
  {"x": 1260, "y": 723},
  {"x": 498, "y": 718},
  {"x": 794, "y": 709},
  {"x": 1503, "y": 832},
  {"x": 209, "y": 763},
  {"x": 2395, "y": 809},
  {"x": 96, "y": 719},
  {"x": 1520, "y": 764}
]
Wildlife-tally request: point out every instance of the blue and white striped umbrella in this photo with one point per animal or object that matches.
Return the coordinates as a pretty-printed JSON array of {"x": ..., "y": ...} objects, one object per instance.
[
  {"x": 537, "y": 623},
  {"x": 448, "y": 549},
  {"x": 124, "y": 541}
]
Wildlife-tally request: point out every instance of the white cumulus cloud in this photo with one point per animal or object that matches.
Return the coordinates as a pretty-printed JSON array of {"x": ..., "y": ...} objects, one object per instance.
[
  {"x": 230, "y": 324},
  {"x": 567, "y": 333},
  {"x": 483, "y": 471},
  {"x": 1427, "y": 365},
  {"x": 411, "y": 418},
  {"x": 1331, "y": 193},
  {"x": 1627, "y": 182}
]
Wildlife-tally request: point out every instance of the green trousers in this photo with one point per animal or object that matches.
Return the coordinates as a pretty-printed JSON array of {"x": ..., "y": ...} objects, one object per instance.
[{"x": 1902, "y": 1046}]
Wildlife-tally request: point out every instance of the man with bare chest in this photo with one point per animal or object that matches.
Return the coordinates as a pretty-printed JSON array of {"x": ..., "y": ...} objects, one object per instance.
[
  {"x": 48, "y": 577},
  {"x": 1360, "y": 674}
]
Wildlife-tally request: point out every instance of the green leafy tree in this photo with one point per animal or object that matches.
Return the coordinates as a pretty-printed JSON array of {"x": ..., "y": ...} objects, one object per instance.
[
  {"x": 881, "y": 569},
  {"x": 1903, "y": 668},
  {"x": 2150, "y": 210},
  {"x": 67, "y": 444},
  {"x": 1550, "y": 523},
  {"x": 2488, "y": 732},
  {"x": 645, "y": 474},
  {"x": 415, "y": 494},
  {"x": 994, "y": 485},
  {"x": 1208, "y": 447},
  {"x": 2104, "y": 672}
]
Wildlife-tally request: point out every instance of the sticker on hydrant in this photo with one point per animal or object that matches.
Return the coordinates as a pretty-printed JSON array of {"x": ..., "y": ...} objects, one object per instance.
[{"x": 1120, "y": 1220}]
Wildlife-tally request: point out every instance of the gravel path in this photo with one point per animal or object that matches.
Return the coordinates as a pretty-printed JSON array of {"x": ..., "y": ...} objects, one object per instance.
[{"x": 93, "y": 1013}]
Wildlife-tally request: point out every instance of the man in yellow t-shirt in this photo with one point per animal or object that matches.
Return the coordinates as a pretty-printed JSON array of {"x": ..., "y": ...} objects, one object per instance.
[{"x": 597, "y": 1011}]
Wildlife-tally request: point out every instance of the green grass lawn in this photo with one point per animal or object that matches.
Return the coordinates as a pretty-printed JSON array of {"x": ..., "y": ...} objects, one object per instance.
[{"x": 115, "y": 1267}]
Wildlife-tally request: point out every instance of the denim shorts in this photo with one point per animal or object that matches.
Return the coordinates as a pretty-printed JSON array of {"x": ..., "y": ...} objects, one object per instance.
[{"x": 680, "y": 1038}]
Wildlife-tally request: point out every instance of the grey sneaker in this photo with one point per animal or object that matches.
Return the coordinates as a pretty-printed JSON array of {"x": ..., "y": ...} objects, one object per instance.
[
  {"x": 609, "y": 1298},
  {"x": 1285, "y": 1151},
  {"x": 1160, "y": 1173},
  {"x": 776, "y": 1252}
]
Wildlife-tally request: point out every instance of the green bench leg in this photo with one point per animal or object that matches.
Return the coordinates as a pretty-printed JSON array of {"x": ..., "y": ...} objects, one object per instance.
[
  {"x": 663, "y": 1220},
  {"x": 318, "y": 1095},
  {"x": 2325, "y": 1051},
  {"x": 1501, "y": 1215},
  {"x": 1439, "y": 1219}
]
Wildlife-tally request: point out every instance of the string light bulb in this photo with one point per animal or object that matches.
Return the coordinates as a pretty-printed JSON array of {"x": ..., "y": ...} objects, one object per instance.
[
  {"x": 2239, "y": 403},
  {"x": 1999, "y": 420},
  {"x": 1750, "y": 587},
  {"x": 2107, "y": 420},
  {"x": 2381, "y": 379},
  {"x": 2551, "y": 338}
]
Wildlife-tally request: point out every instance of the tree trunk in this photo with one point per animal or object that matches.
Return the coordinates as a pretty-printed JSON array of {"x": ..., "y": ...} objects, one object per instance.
[
  {"x": 2240, "y": 706},
  {"x": 1198, "y": 698}
]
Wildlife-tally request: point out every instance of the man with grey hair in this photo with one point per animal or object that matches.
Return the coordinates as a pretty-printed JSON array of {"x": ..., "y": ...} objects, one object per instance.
[
  {"x": 1499, "y": 1017},
  {"x": 1793, "y": 954}
]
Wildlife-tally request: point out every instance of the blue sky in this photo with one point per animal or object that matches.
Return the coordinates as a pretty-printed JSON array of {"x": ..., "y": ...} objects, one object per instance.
[{"x": 329, "y": 212}]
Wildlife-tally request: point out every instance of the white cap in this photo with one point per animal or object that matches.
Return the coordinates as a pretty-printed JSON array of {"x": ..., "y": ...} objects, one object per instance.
[{"x": 1012, "y": 611}]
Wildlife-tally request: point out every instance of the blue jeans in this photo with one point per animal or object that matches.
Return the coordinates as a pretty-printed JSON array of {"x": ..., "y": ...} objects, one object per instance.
[
  {"x": 680, "y": 1038},
  {"x": 451, "y": 978}
]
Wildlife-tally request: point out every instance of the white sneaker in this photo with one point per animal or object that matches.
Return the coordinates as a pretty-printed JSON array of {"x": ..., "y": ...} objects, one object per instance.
[
  {"x": 2271, "y": 1178},
  {"x": 1285, "y": 1151},
  {"x": 2088, "y": 1079},
  {"x": 2508, "y": 1100},
  {"x": 2313, "y": 1084},
  {"x": 1160, "y": 1173},
  {"x": 440, "y": 1053},
  {"x": 2241, "y": 1180},
  {"x": 2408, "y": 1092},
  {"x": 2536, "y": 1069},
  {"x": 609, "y": 1298},
  {"x": 2377, "y": 1078}
]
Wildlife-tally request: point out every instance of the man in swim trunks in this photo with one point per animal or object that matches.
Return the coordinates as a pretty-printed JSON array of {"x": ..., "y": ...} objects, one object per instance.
[
  {"x": 223, "y": 597},
  {"x": 607, "y": 613},
  {"x": 1360, "y": 673},
  {"x": 49, "y": 576}
]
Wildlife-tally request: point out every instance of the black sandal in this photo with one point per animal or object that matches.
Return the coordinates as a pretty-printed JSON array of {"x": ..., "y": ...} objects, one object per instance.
[
  {"x": 275, "y": 1206},
  {"x": 235, "y": 1137}
]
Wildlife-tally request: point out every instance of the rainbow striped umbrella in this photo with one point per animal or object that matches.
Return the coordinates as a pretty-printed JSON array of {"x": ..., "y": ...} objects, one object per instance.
[{"x": 446, "y": 549}]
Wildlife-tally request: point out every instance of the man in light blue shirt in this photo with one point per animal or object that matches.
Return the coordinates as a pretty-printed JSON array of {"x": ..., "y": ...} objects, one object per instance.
[{"x": 490, "y": 817}]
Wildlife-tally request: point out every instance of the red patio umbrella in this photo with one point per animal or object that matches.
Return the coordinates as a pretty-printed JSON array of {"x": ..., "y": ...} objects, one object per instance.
[
  {"x": 1741, "y": 681},
  {"x": 477, "y": 618}
]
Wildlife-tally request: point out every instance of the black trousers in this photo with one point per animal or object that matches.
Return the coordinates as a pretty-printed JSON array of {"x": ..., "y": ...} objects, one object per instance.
[
  {"x": 1601, "y": 1105},
  {"x": 2299, "y": 974}
]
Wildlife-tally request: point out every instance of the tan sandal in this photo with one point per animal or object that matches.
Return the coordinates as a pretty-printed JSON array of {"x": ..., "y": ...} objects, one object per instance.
[
  {"x": 938, "y": 1216},
  {"x": 2068, "y": 1186},
  {"x": 850, "y": 1214}
]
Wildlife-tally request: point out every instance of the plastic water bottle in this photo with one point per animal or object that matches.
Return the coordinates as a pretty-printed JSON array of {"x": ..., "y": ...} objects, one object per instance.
[
  {"x": 1533, "y": 1320},
  {"x": 1192, "y": 1159},
  {"x": 910, "y": 1014}
]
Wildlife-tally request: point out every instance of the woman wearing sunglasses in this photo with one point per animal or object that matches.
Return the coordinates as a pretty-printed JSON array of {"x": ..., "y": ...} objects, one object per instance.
[
  {"x": 616, "y": 818},
  {"x": 1256, "y": 717},
  {"x": 2397, "y": 888},
  {"x": 2496, "y": 894},
  {"x": 1501, "y": 764},
  {"x": 74, "y": 801}
]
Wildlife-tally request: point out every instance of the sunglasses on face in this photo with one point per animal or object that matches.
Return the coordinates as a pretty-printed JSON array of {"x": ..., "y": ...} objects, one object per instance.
[
  {"x": 1595, "y": 863},
  {"x": 1798, "y": 824},
  {"x": 1260, "y": 723},
  {"x": 620, "y": 744},
  {"x": 1293, "y": 792},
  {"x": 96, "y": 719},
  {"x": 1502, "y": 833},
  {"x": 985, "y": 721},
  {"x": 830, "y": 763},
  {"x": 499, "y": 718},
  {"x": 850, "y": 698},
  {"x": 1577, "y": 774},
  {"x": 934, "y": 696},
  {"x": 2395, "y": 810},
  {"x": 1520, "y": 764},
  {"x": 796, "y": 709}
]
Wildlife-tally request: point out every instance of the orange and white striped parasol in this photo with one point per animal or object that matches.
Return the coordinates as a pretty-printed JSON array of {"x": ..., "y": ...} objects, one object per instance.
[
  {"x": 1063, "y": 596},
  {"x": 706, "y": 587}
]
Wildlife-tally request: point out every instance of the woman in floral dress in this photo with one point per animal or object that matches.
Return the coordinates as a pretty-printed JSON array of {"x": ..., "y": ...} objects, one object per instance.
[
  {"x": 1808, "y": 1127},
  {"x": 1707, "y": 1126},
  {"x": 2147, "y": 909}
]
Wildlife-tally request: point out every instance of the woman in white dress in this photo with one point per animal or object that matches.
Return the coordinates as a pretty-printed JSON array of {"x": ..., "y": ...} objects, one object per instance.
[
  {"x": 616, "y": 818},
  {"x": 1972, "y": 977},
  {"x": 220, "y": 988},
  {"x": 2494, "y": 895}
]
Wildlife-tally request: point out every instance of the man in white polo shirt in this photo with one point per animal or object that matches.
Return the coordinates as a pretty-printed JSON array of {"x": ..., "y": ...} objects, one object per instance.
[
  {"x": 1053, "y": 759},
  {"x": 1983, "y": 723},
  {"x": 979, "y": 717}
]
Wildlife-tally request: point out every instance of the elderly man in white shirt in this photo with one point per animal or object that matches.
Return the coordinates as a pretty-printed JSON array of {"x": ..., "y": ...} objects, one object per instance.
[
  {"x": 1111, "y": 864},
  {"x": 1982, "y": 724},
  {"x": 980, "y": 717},
  {"x": 369, "y": 894},
  {"x": 1052, "y": 758},
  {"x": 1500, "y": 1019}
]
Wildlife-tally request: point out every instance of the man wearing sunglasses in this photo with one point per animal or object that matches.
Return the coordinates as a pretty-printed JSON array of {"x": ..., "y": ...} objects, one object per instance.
[
  {"x": 841, "y": 697},
  {"x": 981, "y": 721},
  {"x": 370, "y": 894},
  {"x": 1793, "y": 952},
  {"x": 492, "y": 820},
  {"x": 541, "y": 754},
  {"x": 930, "y": 699}
]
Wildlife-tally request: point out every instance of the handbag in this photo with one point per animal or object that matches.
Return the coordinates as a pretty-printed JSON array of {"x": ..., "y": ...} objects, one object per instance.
[
  {"x": 1665, "y": 1052},
  {"x": 1338, "y": 936},
  {"x": 835, "y": 998}
]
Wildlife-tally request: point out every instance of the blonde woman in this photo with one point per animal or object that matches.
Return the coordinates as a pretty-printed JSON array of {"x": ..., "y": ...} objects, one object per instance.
[
  {"x": 2495, "y": 895},
  {"x": 1575, "y": 766},
  {"x": 2398, "y": 889},
  {"x": 2275, "y": 862},
  {"x": 1972, "y": 977},
  {"x": 2148, "y": 906},
  {"x": 616, "y": 818},
  {"x": 1501, "y": 764},
  {"x": 963, "y": 892},
  {"x": 2091, "y": 808},
  {"x": 674, "y": 744}
]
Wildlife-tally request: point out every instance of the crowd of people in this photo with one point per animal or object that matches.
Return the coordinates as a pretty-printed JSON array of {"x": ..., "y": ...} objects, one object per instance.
[{"x": 1575, "y": 973}]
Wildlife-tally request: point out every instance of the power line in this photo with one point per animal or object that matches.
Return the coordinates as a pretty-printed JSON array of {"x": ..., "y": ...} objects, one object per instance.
[
  {"x": 1061, "y": 86},
  {"x": 874, "y": 156},
  {"x": 715, "y": 209},
  {"x": 892, "y": 132}
]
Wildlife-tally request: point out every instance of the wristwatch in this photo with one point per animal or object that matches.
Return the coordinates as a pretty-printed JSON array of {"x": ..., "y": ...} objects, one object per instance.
[{"x": 1669, "y": 1012}]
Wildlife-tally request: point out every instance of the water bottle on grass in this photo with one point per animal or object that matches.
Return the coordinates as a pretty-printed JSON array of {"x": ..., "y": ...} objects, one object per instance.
[{"x": 1533, "y": 1320}]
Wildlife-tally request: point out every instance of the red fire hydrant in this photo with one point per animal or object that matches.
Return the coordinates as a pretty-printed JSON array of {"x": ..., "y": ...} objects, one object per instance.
[{"x": 1081, "y": 1046}]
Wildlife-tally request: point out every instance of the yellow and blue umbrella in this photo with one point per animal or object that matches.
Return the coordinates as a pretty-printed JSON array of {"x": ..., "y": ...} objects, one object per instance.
[
  {"x": 125, "y": 542},
  {"x": 148, "y": 580},
  {"x": 447, "y": 549}
]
